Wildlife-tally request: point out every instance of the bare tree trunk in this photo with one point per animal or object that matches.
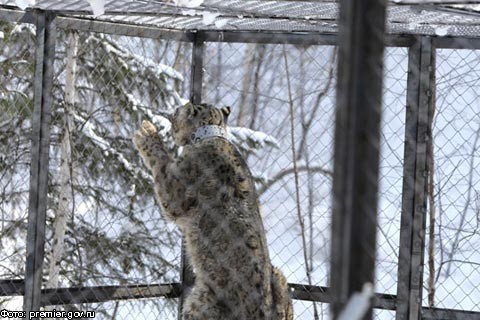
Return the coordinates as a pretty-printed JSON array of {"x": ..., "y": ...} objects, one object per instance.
[
  {"x": 310, "y": 173},
  {"x": 259, "y": 57},
  {"x": 179, "y": 64},
  {"x": 60, "y": 223},
  {"x": 249, "y": 67},
  {"x": 218, "y": 73},
  {"x": 115, "y": 310},
  {"x": 285, "y": 172},
  {"x": 307, "y": 124},
  {"x": 308, "y": 268},
  {"x": 463, "y": 216}
]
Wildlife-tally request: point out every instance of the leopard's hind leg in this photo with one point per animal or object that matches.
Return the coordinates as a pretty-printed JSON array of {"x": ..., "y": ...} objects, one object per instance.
[{"x": 282, "y": 303}]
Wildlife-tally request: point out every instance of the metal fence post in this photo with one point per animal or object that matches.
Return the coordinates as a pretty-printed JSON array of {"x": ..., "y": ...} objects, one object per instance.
[
  {"x": 43, "y": 83},
  {"x": 356, "y": 154},
  {"x": 197, "y": 69},
  {"x": 187, "y": 277},
  {"x": 414, "y": 194}
]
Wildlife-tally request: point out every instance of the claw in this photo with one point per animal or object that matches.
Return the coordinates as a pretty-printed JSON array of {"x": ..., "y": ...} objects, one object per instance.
[{"x": 148, "y": 129}]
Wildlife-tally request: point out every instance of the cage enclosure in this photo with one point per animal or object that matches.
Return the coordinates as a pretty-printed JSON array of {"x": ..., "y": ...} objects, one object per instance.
[{"x": 80, "y": 230}]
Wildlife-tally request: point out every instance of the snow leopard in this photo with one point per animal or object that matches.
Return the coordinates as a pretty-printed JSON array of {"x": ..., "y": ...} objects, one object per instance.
[{"x": 209, "y": 192}]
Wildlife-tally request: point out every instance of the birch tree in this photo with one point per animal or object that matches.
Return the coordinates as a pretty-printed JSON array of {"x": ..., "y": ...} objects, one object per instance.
[{"x": 65, "y": 191}]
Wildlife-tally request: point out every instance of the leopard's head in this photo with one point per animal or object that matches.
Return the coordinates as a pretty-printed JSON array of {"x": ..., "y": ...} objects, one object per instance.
[{"x": 187, "y": 119}]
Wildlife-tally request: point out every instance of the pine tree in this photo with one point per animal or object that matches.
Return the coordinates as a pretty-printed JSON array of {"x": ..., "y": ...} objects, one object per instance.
[
  {"x": 103, "y": 226},
  {"x": 101, "y": 219}
]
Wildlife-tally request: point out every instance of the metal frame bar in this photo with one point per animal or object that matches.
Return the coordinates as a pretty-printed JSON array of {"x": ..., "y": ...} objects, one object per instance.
[
  {"x": 63, "y": 296},
  {"x": 427, "y": 70},
  {"x": 43, "y": 84},
  {"x": 74, "y": 295},
  {"x": 356, "y": 152},
  {"x": 408, "y": 299},
  {"x": 448, "y": 314},
  {"x": 403, "y": 282},
  {"x": 270, "y": 37},
  {"x": 196, "y": 79},
  {"x": 231, "y": 36},
  {"x": 187, "y": 277},
  {"x": 414, "y": 193},
  {"x": 456, "y": 43},
  {"x": 124, "y": 29},
  {"x": 293, "y": 38},
  {"x": 12, "y": 287},
  {"x": 324, "y": 295},
  {"x": 16, "y": 16}
]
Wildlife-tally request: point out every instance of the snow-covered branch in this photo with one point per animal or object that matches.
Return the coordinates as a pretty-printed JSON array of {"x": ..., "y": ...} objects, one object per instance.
[
  {"x": 90, "y": 130},
  {"x": 268, "y": 182},
  {"x": 255, "y": 139},
  {"x": 163, "y": 124}
]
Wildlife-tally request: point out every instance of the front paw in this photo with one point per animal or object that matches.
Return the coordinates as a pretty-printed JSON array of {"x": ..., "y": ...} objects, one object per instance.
[
  {"x": 148, "y": 129},
  {"x": 145, "y": 135}
]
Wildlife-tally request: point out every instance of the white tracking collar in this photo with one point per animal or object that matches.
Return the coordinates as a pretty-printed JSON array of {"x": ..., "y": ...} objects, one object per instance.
[{"x": 208, "y": 132}]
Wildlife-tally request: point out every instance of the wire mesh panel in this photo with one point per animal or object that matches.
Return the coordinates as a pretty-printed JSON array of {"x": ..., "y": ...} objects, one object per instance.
[
  {"x": 16, "y": 109},
  {"x": 108, "y": 248},
  {"x": 383, "y": 314},
  {"x": 253, "y": 79},
  {"x": 391, "y": 168},
  {"x": 293, "y": 183},
  {"x": 452, "y": 256},
  {"x": 103, "y": 225}
]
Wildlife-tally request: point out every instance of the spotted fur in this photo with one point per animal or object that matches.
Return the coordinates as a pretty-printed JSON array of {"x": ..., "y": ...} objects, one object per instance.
[{"x": 209, "y": 192}]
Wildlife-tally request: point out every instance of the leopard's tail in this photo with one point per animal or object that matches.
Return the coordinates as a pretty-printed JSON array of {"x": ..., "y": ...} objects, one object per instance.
[{"x": 282, "y": 303}]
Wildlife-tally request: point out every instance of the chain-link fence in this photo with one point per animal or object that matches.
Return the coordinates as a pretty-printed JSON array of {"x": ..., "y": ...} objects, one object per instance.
[
  {"x": 452, "y": 255},
  {"x": 107, "y": 247},
  {"x": 253, "y": 79},
  {"x": 103, "y": 228},
  {"x": 391, "y": 168},
  {"x": 16, "y": 102},
  {"x": 102, "y": 216}
]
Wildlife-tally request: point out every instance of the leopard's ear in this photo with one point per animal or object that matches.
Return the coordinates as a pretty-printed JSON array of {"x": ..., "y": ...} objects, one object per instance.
[
  {"x": 191, "y": 110},
  {"x": 226, "y": 113},
  {"x": 188, "y": 105}
]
